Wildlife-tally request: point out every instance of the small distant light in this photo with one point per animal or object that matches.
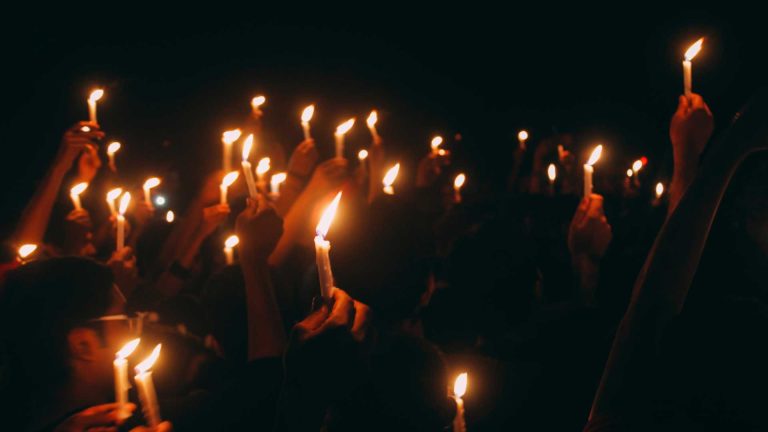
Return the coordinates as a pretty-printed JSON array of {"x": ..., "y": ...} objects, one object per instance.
[{"x": 160, "y": 200}]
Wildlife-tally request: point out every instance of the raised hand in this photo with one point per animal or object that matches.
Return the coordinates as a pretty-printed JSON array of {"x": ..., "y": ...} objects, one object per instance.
[
  {"x": 589, "y": 233},
  {"x": 303, "y": 159},
  {"x": 690, "y": 130},
  {"x": 89, "y": 163},
  {"x": 74, "y": 141},
  {"x": 259, "y": 231},
  {"x": 213, "y": 216},
  {"x": 123, "y": 265},
  {"x": 328, "y": 177}
]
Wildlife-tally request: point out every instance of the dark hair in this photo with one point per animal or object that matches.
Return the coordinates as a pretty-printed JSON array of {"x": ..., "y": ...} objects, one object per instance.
[{"x": 39, "y": 304}]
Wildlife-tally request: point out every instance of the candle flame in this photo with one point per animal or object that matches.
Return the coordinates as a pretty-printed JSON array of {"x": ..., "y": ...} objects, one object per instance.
[
  {"x": 307, "y": 114},
  {"x": 149, "y": 361},
  {"x": 373, "y": 117},
  {"x": 124, "y": 202},
  {"x": 26, "y": 250},
  {"x": 694, "y": 49},
  {"x": 630, "y": 172},
  {"x": 458, "y": 182},
  {"x": 460, "y": 385},
  {"x": 327, "y": 217},
  {"x": 345, "y": 127},
  {"x": 442, "y": 152},
  {"x": 96, "y": 95},
  {"x": 263, "y": 166},
  {"x": 659, "y": 189},
  {"x": 391, "y": 175},
  {"x": 637, "y": 165},
  {"x": 127, "y": 349},
  {"x": 551, "y": 172},
  {"x": 113, "y": 194},
  {"x": 247, "y": 146},
  {"x": 258, "y": 101},
  {"x": 436, "y": 142},
  {"x": 522, "y": 135},
  {"x": 232, "y": 241},
  {"x": 113, "y": 147},
  {"x": 170, "y": 216},
  {"x": 230, "y": 136},
  {"x": 278, "y": 178},
  {"x": 362, "y": 154},
  {"x": 78, "y": 189},
  {"x": 151, "y": 182},
  {"x": 230, "y": 178},
  {"x": 85, "y": 129},
  {"x": 595, "y": 156}
]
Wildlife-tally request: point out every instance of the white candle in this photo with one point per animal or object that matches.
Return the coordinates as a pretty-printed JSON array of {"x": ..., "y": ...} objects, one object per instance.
[
  {"x": 689, "y": 55},
  {"x": 362, "y": 156},
  {"x": 146, "y": 387},
  {"x": 92, "y": 99},
  {"x": 247, "y": 170},
  {"x": 373, "y": 117},
  {"x": 261, "y": 174},
  {"x": 435, "y": 145},
  {"x": 274, "y": 183},
  {"x": 111, "y": 197},
  {"x": 459, "y": 389},
  {"x": 227, "y": 139},
  {"x": 458, "y": 182},
  {"x": 75, "y": 192},
  {"x": 256, "y": 104},
  {"x": 150, "y": 183},
  {"x": 124, "y": 202},
  {"x": 322, "y": 248},
  {"x": 229, "y": 245},
  {"x": 306, "y": 116},
  {"x": 589, "y": 169},
  {"x": 389, "y": 179},
  {"x": 522, "y": 137},
  {"x": 551, "y": 174},
  {"x": 120, "y": 366},
  {"x": 112, "y": 148},
  {"x": 226, "y": 182},
  {"x": 170, "y": 216},
  {"x": 340, "y": 131}
]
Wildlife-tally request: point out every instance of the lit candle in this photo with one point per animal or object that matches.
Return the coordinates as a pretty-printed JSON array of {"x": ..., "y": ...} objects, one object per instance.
[
  {"x": 637, "y": 166},
  {"x": 124, "y": 202},
  {"x": 340, "y": 131},
  {"x": 458, "y": 182},
  {"x": 459, "y": 389},
  {"x": 112, "y": 148},
  {"x": 150, "y": 183},
  {"x": 227, "y": 139},
  {"x": 552, "y": 174},
  {"x": 170, "y": 216},
  {"x": 25, "y": 251},
  {"x": 111, "y": 197},
  {"x": 689, "y": 55},
  {"x": 274, "y": 183},
  {"x": 362, "y": 155},
  {"x": 229, "y": 245},
  {"x": 306, "y": 116},
  {"x": 373, "y": 117},
  {"x": 589, "y": 169},
  {"x": 323, "y": 246},
  {"x": 659, "y": 190},
  {"x": 522, "y": 137},
  {"x": 226, "y": 182},
  {"x": 120, "y": 366},
  {"x": 256, "y": 104},
  {"x": 435, "y": 145},
  {"x": 261, "y": 174},
  {"x": 247, "y": 171},
  {"x": 92, "y": 99},
  {"x": 389, "y": 178},
  {"x": 75, "y": 192},
  {"x": 146, "y": 387}
]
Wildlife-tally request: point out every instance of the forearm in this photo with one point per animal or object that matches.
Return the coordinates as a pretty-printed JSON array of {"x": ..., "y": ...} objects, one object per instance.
[
  {"x": 36, "y": 215},
  {"x": 587, "y": 272},
  {"x": 682, "y": 177},
  {"x": 266, "y": 337},
  {"x": 294, "y": 225},
  {"x": 289, "y": 193}
]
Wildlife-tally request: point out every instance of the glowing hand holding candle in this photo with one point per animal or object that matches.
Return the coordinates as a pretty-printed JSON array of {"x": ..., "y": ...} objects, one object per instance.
[
  {"x": 389, "y": 179},
  {"x": 229, "y": 245},
  {"x": 227, "y": 139},
  {"x": 247, "y": 171},
  {"x": 435, "y": 145},
  {"x": 75, "y": 192},
  {"x": 92, "y": 99},
  {"x": 120, "y": 366},
  {"x": 459, "y": 389},
  {"x": 306, "y": 116},
  {"x": 522, "y": 137},
  {"x": 112, "y": 148},
  {"x": 256, "y": 104},
  {"x": 149, "y": 184},
  {"x": 458, "y": 182},
  {"x": 340, "y": 132},
  {"x": 146, "y": 387},
  {"x": 323, "y": 246},
  {"x": 124, "y": 202},
  {"x": 111, "y": 197},
  {"x": 689, "y": 55},
  {"x": 226, "y": 182},
  {"x": 589, "y": 169},
  {"x": 274, "y": 183},
  {"x": 25, "y": 251},
  {"x": 373, "y": 117}
]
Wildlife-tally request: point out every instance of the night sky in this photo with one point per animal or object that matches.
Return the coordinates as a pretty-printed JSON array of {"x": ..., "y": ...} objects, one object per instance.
[{"x": 174, "y": 82}]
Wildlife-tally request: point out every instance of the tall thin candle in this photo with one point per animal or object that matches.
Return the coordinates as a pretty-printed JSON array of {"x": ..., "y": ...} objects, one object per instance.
[{"x": 322, "y": 248}]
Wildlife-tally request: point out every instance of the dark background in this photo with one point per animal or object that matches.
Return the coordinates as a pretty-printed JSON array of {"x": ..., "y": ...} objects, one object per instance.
[{"x": 176, "y": 78}]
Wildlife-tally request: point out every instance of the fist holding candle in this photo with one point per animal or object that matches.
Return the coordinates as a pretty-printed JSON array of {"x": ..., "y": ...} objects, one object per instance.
[
  {"x": 373, "y": 117},
  {"x": 389, "y": 179},
  {"x": 322, "y": 248},
  {"x": 260, "y": 230}
]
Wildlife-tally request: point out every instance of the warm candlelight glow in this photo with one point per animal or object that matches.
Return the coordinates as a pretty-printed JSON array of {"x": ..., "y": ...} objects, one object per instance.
[
  {"x": 595, "y": 156},
  {"x": 113, "y": 194},
  {"x": 694, "y": 49},
  {"x": 170, "y": 216},
  {"x": 278, "y": 178},
  {"x": 637, "y": 165},
  {"x": 151, "y": 183},
  {"x": 258, "y": 101},
  {"x": 95, "y": 95},
  {"x": 362, "y": 154},
  {"x": 630, "y": 172},
  {"x": 307, "y": 114},
  {"x": 659, "y": 189},
  {"x": 124, "y": 202},
  {"x": 458, "y": 182},
  {"x": 85, "y": 129},
  {"x": 373, "y": 117},
  {"x": 551, "y": 172},
  {"x": 436, "y": 142},
  {"x": 263, "y": 166},
  {"x": 345, "y": 127},
  {"x": 230, "y": 136},
  {"x": 144, "y": 366},
  {"x": 78, "y": 189},
  {"x": 327, "y": 217},
  {"x": 460, "y": 385},
  {"x": 26, "y": 250},
  {"x": 247, "y": 146},
  {"x": 389, "y": 178},
  {"x": 113, "y": 147},
  {"x": 522, "y": 135},
  {"x": 230, "y": 178},
  {"x": 127, "y": 349},
  {"x": 232, "y": 241}
]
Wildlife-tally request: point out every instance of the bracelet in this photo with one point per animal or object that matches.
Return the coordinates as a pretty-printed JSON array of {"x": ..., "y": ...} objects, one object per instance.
[{"x": 179, "y": 271}]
